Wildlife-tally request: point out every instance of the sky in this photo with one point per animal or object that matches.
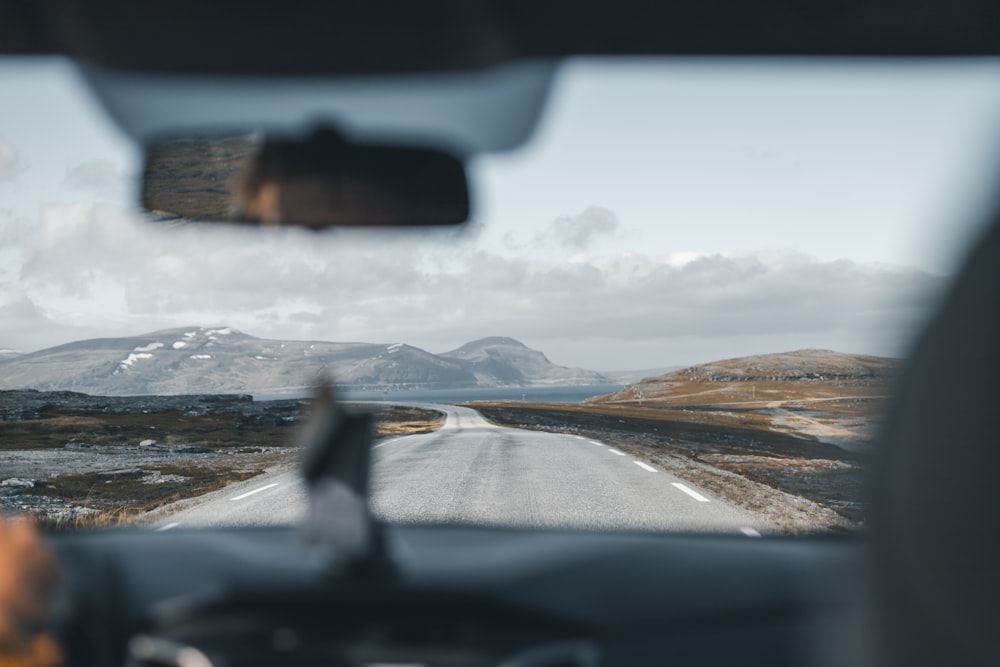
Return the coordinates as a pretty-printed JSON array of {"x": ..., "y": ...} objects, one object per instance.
[{"x": 665, "y": 213}]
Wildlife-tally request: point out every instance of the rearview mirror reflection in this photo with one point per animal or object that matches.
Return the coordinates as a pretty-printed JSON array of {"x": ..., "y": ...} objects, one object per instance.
[{"x": 318, "y": 181}]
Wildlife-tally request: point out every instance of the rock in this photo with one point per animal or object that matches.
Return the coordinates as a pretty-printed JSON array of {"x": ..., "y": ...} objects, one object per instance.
[
  {"x": 147, "y": 443},
  {"x": 193, "y": 449},
  {"x": 20, "y": 482},
  {"x": 156, "y": 477}
]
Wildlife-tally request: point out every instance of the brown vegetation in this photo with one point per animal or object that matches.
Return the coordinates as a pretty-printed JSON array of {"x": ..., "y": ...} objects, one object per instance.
[
  {"x": 401, "y": 420},
  {"x": 77, "y": 463},
  {"x": 792, "y": 451}
]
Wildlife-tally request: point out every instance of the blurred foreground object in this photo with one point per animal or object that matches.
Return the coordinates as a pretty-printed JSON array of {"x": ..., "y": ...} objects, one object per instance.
[
  {"x": 935, "y": 506},
  {"x": 319, "y": 181},
  {"x": 28, "y": 582},
  {"x": 336, "y": 460}
]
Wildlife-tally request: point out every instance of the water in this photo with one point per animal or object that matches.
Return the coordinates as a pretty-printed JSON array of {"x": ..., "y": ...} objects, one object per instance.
[{"x": 530, "y": 394}]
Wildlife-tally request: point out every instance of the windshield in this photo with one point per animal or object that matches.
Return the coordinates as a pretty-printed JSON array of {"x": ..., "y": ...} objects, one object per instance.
[{"x": 680, "y": 307}]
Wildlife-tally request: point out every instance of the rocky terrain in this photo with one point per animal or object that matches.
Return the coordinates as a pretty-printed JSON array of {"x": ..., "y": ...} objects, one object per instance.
[
  {"x": 224, "y": 360},
  {"x": 69, "y": 457},
  {"x": 785, "y": 436}
]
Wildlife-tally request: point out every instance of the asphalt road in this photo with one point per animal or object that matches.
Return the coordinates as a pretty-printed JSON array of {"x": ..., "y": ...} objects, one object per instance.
[{"x": 471, "y": 471}]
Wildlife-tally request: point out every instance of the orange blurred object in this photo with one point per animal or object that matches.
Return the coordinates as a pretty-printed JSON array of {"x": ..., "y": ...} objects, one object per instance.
[{"x": 28, "y": 581}]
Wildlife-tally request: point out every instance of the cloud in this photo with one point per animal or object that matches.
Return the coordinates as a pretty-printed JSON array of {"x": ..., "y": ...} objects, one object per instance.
[
  {"x": 577, "y": 232},
  {"x": 8, "y": 161},
  {"x": 100, "y": 177},
  {"x": 614, "y": 311},
  {"x": 306, "y": 317},
  {"x": 28, "y": 327},
  {"x": 15, "y": 306},
  {"x": 776, "y": 301}
]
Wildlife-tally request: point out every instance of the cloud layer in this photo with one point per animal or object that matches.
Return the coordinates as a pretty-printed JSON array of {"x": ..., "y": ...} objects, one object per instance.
[{"x": 93, "y": 270}]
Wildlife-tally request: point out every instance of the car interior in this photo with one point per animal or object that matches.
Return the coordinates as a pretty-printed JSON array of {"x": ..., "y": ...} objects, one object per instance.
[{"x": 443, "y": 82}]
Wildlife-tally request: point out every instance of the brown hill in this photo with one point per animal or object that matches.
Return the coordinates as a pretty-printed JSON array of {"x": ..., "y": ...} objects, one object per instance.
[{"x": 818, "y": 366}]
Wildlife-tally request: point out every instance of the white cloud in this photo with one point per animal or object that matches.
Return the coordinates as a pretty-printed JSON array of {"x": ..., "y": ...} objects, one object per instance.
[
  {"x": 610, "y": 311},
  {"x": 27, "y": 326},
  {"x": 579, "y": 232}
]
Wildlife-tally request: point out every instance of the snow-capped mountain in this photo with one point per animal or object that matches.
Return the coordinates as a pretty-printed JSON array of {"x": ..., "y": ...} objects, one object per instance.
[{"x": 225, "y": 360}]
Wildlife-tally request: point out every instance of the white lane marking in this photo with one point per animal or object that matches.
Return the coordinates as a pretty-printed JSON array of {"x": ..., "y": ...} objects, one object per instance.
[
  {"x": 749, "y": 532},
  {"x": 250, "y": 493},
  {"x": 579, "y": 437},
  {"x": 387, "y": 442},
  {"x": 694, "y": 494},
  {"x": 615, "y": 451},
  {"x": 644, "y": 466},
  {"x": 599, "y": 444},
  {"x": 167, "y": 527}
]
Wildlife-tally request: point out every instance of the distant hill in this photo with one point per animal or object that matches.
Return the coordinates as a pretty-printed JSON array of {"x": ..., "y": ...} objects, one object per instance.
[
  {"x": 224, "y": 360},
  {"x": 512, "y": 362},
  {"x": 800, "y": 364},
  {"x": 784, "y": 366}
]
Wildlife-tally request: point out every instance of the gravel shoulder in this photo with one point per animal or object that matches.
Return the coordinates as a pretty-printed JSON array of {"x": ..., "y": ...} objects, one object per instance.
[{"x": 793, "y": 484}]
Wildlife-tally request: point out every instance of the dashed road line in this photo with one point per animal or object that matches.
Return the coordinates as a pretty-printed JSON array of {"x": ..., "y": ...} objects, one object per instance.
[
  {"x": 645, "y": 466},
  {"x": 694, "y": 494},
  {"x": 749, "y": 532},
  {"x": 250, "y": 493},
  {"x": 599, "y": 444},
  {"x": 615, "y": 451},
  {"x": 167, "y": 527}
]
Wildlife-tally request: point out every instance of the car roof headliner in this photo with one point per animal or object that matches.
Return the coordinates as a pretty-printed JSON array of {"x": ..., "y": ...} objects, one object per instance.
[{"x": 295, "y": 37}]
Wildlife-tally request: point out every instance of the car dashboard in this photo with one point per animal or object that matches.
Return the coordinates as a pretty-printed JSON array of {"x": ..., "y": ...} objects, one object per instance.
[{"x": 459, "y": 595}]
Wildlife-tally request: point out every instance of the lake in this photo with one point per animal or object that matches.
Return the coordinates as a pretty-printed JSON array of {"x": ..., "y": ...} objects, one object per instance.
[{"x": 571, "y": 394}]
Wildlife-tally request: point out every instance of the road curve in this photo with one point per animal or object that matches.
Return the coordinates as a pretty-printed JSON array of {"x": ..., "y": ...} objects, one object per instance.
[{"x": 473, "y": 472}]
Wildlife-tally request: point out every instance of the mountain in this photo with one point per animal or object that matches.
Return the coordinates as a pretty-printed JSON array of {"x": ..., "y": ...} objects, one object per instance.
[
  {"x": 779, "y": 367},
  {"x": 513, "y": 363},
  {"x": 225, "y": 360}
]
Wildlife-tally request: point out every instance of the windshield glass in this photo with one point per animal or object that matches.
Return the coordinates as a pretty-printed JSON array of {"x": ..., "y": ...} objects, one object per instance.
[{"x": 688, "y": 294}]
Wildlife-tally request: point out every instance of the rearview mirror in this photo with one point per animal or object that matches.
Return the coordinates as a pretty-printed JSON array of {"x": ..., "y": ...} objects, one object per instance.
[{"x": 318, "y": 181}]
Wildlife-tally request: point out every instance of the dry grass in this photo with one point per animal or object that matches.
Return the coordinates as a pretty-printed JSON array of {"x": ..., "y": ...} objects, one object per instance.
[
  {"x": 120, "y": 516},
  {"x": 400, "y": 420},
  {"x": 117, "y": 497},
  {"x": 58, "y": 426},
  {"x": 700, "y": 392}
]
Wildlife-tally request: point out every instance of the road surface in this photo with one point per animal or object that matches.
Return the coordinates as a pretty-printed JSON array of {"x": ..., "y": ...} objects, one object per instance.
[{"x": 471, "y": 471}]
